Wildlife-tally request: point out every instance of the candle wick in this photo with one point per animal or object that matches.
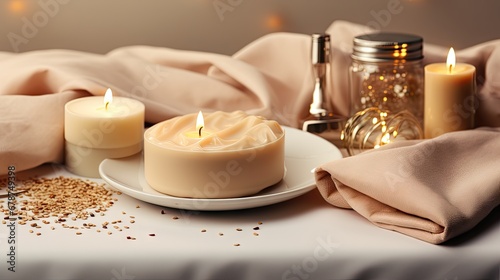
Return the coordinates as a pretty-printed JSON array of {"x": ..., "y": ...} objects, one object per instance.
[
  {"x": 450, "y": 68},
  {"x": 199, "y": 131},
  {"x": 106, "y": 106}
]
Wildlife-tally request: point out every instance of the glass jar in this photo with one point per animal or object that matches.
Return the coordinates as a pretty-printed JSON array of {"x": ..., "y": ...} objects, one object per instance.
[{"x": 387, "y": 73}]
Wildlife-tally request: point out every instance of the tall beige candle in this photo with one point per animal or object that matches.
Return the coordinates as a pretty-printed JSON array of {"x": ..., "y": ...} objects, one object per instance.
[{"x": 449, "y": 97}]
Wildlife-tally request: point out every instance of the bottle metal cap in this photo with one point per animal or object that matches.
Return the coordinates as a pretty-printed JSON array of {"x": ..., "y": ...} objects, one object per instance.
[{"x": 320, "y": 48}]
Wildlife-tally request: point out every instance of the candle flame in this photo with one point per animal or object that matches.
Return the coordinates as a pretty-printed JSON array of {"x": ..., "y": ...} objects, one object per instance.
[
  {"x": 451, "y": 60},
  {"x": 108, "y": 98},
  {"x": 200, "y": 123}
]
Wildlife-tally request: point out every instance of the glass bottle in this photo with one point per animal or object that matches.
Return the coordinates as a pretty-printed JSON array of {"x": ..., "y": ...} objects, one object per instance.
[{"x": 321, "y": 119}]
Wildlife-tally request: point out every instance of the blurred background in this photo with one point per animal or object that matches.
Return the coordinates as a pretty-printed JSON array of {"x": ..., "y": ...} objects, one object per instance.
[{"x": 225, "y": 26}]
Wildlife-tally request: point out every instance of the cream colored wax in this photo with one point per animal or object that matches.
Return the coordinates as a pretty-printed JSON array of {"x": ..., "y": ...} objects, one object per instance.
[
  {"x": 93, "y": 132},
  {"x": 236, "y": 155},
  {"x": 449, "y": 98}
]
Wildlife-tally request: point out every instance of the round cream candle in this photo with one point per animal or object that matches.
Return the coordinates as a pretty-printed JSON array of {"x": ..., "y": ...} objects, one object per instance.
[
  {"x": 228, "y": 155},
  {"x": 449, "y": 97},
  {"x": 96, "y": 128}
]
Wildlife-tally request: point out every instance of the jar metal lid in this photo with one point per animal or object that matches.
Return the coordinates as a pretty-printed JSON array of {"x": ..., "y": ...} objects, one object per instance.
[{"x": 383, "y": 46}]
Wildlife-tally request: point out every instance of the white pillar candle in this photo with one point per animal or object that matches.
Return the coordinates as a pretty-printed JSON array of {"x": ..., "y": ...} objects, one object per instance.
[
  {"x": 96, "y": 128},
  {"x": 449, "y": 97},
  {"x": 230, "y": 155}
]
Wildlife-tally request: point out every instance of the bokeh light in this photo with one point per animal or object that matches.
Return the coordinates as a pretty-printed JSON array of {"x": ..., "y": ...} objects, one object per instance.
[{"x": 17, "y": 6}]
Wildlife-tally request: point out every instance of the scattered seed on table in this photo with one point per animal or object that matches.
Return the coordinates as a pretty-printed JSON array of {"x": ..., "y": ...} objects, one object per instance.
[
  {"x": 236, "y": 244},
  {"x": 221, "y": 234},
  {"x": 256, "y": 228},
  {"x": 38, "y": 233},
  {"x": 65, "y": 199},
  {"x": 137, "y": 206},
  {"x": 256, "y": 234},
  {"x": 132, "y": 221},
  {"x": 238, "y": 229},
  {"x": 260, "y": 223},
  {"x": 78, "y": 233},
  {"x": 203, "y": 230},
  {"x": 152, "y": 234},
  {"x": 162, "y": 212},
  {"x": 175, "y": 217}
]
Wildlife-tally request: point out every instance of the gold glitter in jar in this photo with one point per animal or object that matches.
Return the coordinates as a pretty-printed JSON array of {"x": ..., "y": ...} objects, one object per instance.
[{"x": 392, "y": 89}]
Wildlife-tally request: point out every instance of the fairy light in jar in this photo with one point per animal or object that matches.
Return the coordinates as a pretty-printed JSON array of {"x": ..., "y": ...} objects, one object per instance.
[{"x": 373, "y": 128}]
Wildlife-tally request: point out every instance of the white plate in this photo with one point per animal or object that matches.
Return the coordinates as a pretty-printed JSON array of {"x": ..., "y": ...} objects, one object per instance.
[{"x": 303, "y": 152}]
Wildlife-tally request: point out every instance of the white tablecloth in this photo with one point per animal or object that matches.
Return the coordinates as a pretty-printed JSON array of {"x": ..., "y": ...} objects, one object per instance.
[{"x": 303, "y": 238}]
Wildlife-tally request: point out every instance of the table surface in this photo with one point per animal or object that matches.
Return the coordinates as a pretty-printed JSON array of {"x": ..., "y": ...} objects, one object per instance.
[{"x": 303, "y": 238}]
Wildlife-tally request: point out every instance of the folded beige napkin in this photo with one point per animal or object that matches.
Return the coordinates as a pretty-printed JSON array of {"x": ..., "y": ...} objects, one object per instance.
[{"x": 432, "y": 190}]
